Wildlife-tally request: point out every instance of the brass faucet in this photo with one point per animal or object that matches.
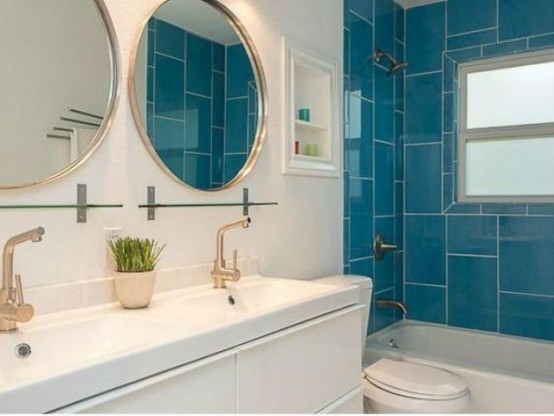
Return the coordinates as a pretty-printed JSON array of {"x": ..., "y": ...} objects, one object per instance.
[
  {"x": 13, "y": 308},
  {"x": 220, "y": 273}
]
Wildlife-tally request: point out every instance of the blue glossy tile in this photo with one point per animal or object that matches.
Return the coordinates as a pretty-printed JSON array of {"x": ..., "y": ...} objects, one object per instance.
[
  {"x": 363, "y": 267},
  {"x": 169, "y": 87},
  {"x": 541, "y": 209},
  {"x": 151, "y": 48},
  {"x": 470, "y": 15},
  {"x": 425, "y": 249},
  {"x": 472, "y": 292},
  {"x": 199, "y": 65},
  {"x": 384, "y": 269},
  {"x": 471, "y": 39},
  {"x": 236, "y": 139},
  {"x": 384, "y": 110},
  {"x": 399, "y": 78},
  {"x": 360, "y": 138},
  {"x": 466, "y": 55},
  {"x": 361, "y": 58},
  {"x": 150, "y": 121},
  {"x": 399, "y": 15},
  {"x": 361, "y": 218},
  {"x": 346, "y": 269},
  {"x": 399, "y": 228},
  {"x": 508, "y": 209},
  {"x": 424, "y": 179},
  {"x": 174, "y": 160},
  {"x": 170, "y": 40},
  {"x": 233, "y": 165},
  {"x": 399, "y": 147},
  {"x": 384, "y": 25},
  {"x": 426, "y": 303},
  {"x": 472, "y": 234},
  {"x": 239, "y": 72},
  {"x": 346, "y": 184},
  {"x": 218, "y": 99},
  {"x": 527, "y": 316},
  {"x": 518, "y": 18},
  {"x": 152, "y": 23},
  {"x": 424, "y": 108},
  {"x": 384, "y": 179},
  {"x": 217, "y": 155},
  {"x": 448, "y": 153},
  {"x": 399, "y": 274},
  {"x": 449, "y": 74},
  {"x": 425, "y": 38},
  {"x": 169, "y": 134},
  {"x": 364, "y": 8},
  {"x": 464, "y": 208},
  {"x": 448, "y": 123},
  {"x": 252, "y": 99},
  {"x": 382, "y": 317},
  {"x": 448, "y": 193},
  {"x": 346, "y": 241},
  {"x": 198, "y": 122},
  {"x": 150, "y": 83},
  {"x": 218, "y": 58},
  {"x": 505, "y": 48},
  {"x": 526, "y": 247},
  {"x": 197, "y": 170},
  {"x": 541, "y": 42}
]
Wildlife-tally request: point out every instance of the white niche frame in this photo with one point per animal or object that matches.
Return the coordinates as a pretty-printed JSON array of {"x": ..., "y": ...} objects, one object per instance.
[{"x": 311, "y": 81}]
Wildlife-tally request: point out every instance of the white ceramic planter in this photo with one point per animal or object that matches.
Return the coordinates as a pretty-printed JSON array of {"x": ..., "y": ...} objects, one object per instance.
[{"x": 134, "y": 290}]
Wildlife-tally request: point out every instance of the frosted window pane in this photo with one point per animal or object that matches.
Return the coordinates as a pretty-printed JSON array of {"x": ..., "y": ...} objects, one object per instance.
[
  {"x": 511, "y": 96},
  {"x": 510, "y": 167}
]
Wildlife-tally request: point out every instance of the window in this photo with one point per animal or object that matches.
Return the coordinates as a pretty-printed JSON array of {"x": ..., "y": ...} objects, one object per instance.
[{"x": 506, "y": 133}]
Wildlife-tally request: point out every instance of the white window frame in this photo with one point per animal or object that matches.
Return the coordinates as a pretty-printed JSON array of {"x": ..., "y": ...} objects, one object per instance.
[{"x": 466, "y": 135}]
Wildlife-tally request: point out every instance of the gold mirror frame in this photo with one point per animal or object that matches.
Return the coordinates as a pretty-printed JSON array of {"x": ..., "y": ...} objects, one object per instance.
[
  {"x": 259, "y": 76},
  {"x": 110, "y": 110}
]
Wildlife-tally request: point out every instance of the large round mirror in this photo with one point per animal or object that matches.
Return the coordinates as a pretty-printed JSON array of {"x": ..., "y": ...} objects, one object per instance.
[
  {"x": 58, "y": 86},
  {"x": 198, "y": 93}
]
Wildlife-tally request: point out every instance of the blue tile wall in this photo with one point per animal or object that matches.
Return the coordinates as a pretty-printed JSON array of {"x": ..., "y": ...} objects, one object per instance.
[
  {"x": 193, "y": 86},
  {"x": 374, "y": 148},
  {"x": 480, "y": 266}
]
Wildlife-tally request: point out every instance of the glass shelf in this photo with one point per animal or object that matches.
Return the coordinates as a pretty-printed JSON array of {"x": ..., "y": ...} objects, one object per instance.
[
  {"x": 60, "y": 206},
  {"x": 222, "y": 204}
]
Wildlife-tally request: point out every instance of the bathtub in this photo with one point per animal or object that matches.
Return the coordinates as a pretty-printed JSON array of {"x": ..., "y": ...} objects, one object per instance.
[{"x": 504, "y": 374}]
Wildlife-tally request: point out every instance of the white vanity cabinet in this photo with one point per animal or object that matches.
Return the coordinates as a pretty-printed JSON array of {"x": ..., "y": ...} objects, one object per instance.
[{"x": 310, "y": 367}]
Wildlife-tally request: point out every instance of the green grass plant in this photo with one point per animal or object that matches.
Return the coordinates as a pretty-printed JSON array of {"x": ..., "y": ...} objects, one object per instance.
[{"x": 135, "y": 254}]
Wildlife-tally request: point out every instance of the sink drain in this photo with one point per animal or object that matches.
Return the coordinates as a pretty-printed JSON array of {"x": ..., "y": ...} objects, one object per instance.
[
  {"x": 22, "y": 350},
  {"x": 231, "y": 300}
]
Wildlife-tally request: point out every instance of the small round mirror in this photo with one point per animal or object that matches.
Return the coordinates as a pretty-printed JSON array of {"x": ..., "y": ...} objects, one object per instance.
[
  {"x": 198, "y": 94},
  {"x": 58, "y": 84}
]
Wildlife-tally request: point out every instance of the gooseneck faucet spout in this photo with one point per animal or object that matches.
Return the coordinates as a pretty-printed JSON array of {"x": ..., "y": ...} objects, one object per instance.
[
  {"x": 220, "y": 272},
  {"x": 13, "y": 309},
  {"x": 385, "y": 303}
]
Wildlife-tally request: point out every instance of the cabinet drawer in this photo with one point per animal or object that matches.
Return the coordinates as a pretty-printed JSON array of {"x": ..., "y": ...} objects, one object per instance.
[
  {"x": 301, "y": 369},
  {"x": 206, "y": 386}
]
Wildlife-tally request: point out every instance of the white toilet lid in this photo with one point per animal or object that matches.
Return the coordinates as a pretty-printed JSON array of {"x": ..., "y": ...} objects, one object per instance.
[{"x": 415, "y": 380}]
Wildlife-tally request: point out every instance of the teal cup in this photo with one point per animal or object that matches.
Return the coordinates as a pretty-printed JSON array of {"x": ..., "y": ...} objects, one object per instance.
[{"x": 304, "y": 114}]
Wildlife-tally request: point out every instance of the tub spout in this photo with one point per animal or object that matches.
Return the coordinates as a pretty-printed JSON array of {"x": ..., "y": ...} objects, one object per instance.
[{"x": 387, "y": 303}]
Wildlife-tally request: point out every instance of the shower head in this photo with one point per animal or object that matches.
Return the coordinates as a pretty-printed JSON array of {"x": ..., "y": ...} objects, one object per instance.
[{"x": 396, "y": 65}]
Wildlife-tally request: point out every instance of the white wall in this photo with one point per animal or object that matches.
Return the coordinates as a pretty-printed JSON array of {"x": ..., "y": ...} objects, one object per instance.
[{"x": 301, "y": 237}]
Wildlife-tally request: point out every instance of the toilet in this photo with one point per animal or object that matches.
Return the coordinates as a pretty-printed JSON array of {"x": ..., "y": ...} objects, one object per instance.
[{"x": 392, "y": 386}]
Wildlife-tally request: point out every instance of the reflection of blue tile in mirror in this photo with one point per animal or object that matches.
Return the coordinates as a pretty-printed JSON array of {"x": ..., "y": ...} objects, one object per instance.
[
  {"x": 517, "y": 18},
  {"x": 150, "y": 84},
  {"x": 252, "y": 125},
  {"x": 218, "y": 103},
  {"x": 170, "y": 40},
  {"x": 169, "y": 87},
  {"x": 150, "y": 121},
  {"x": 526, "y": 316},
  {"x": 426, "y": 303},
  {"x": 233, "y": 165},
  {"x": 199, "y": 65},
  {"x": 218, "y": 57},
  {"x": 152, "y": 23},
  {"x": 239, "y": 71},
  {"x": 151, "y": 47},
  {"x": 197, "y": 170},
  {"x": 168, "y": 134},
  {"x": 198, "y": 122},
  {"x": 236, "y": 140},
  {"x": 217, "y": 155},
  {"x": 174, "y": 160},
  {"x": 252, "y": 98},
  {"x": 472, "y": 292},
  {"x": 363, "y": 8}
]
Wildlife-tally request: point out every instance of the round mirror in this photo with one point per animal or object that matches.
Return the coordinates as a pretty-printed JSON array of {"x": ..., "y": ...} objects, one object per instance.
[
  {"x": 198, "y": 94},
  {"x": 58, "y": 83}
]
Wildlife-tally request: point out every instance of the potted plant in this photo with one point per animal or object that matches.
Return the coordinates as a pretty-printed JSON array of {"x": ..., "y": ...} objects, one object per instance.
[{"x": 134, "y": 262}]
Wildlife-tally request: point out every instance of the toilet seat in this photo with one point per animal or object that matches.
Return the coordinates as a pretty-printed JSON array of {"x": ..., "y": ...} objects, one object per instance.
[{"x": 415, "y": 381}]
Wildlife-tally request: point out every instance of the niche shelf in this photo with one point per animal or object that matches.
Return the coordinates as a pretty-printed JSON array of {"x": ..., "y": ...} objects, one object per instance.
[{"x": 311, "y": 83}]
